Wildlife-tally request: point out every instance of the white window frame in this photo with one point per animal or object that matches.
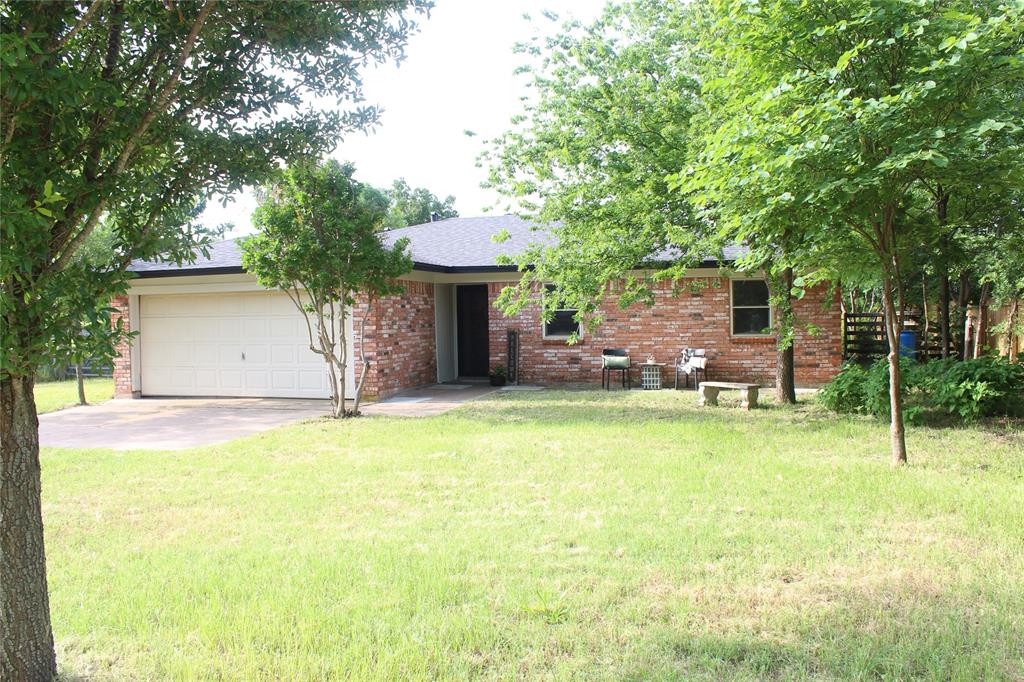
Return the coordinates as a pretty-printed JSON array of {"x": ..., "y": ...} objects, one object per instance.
[
  {"x": 733, "y": 307},
  {"x": 544, "y": 325}
]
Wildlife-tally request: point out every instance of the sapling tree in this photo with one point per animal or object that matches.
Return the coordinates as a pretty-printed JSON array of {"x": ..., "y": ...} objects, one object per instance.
[
  {"x": 134, "y": 112},
  {"x": 319, "y": 242}
]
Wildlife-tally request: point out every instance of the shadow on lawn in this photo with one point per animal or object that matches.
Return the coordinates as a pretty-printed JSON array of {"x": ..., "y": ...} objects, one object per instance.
[
  {"x": 899, "y": 632},
  {"x": 632, "y": 407}
]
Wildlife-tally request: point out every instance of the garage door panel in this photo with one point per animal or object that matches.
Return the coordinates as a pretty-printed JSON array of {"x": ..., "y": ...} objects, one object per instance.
[
  {"x": 308, "y": 380},
  {"x": 230, "y": 378},
  {"x": 285, "y": 328},
  {"x": 194, "y": 345},
  {"x": 255, "y": 328},
  {"x": 255, "y": 354},
  {"x": 206, "y": 379},
  {"x": 228, "y": 354},
  {"x": 281, "y": 354}
]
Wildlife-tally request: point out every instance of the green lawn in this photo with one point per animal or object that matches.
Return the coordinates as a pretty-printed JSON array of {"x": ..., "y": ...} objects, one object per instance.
[
  {"x": 56, "y": 395},
  {"x": 555, "y": 534}
]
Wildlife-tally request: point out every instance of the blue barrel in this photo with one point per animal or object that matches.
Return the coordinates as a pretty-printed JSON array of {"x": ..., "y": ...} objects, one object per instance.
[{"x": 908, "y": 344}]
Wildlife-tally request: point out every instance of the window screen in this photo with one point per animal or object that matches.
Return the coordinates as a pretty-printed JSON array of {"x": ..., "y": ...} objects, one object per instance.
[{"x": 751, "y": 311}]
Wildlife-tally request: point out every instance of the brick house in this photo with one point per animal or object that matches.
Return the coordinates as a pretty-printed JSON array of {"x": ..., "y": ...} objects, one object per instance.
[{"x": 209, "y": 329}]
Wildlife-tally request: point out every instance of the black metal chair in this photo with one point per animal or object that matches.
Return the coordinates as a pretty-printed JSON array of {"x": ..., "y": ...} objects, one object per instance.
[{"x": 615, "y": 360}]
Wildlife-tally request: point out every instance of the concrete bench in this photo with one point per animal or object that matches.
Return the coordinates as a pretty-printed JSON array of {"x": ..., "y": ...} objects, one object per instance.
[{"x": 709, "y": 393}]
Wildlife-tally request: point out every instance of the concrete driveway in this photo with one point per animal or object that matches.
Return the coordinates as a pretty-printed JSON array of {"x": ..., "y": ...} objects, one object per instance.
[{"x": 170, "y": 423}]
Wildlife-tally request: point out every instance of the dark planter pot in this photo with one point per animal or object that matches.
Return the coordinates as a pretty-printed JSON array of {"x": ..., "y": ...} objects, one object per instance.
[{"x": 497, "y": 381}]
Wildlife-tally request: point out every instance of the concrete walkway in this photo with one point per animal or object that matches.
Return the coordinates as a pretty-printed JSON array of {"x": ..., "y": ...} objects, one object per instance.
[{"x": 428, "y": 401}]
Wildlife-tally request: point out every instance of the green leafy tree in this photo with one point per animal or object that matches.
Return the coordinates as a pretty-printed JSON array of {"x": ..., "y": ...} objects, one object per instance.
[
  {"x": 319, "y": 242},
  {"x": 415, "y": 206},
  {"x": 134, "y": 112},
  {"x": 588, "y": 160},
  {"x": 829, "y": 116}
]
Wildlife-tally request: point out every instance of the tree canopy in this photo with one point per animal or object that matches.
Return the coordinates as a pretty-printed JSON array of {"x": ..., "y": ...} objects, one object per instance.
[
  {"x": 415, "y": 206},
  {"x": 829, "y": 124},
  {"x": 319, "y": 242},
  {"x": 589, "y": 158},
  {"x": 133, "y": 112}
]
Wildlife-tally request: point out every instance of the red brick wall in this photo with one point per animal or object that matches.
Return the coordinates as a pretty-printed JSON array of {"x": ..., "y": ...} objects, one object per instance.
[
  {"x": 123, "y": 359},
  {"x": 400, "y": 340},
  {"x": 697, "y": 316}
]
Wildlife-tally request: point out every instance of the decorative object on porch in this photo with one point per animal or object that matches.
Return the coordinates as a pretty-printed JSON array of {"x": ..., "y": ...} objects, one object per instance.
[
  {"x": 691, "y": 362},
  {"x": 498, "y": 375},
  {"x": 650, "y": 375},
  {"x": 615, "y": 360},
  {"x": 708, "y": 392},
  {"x": 512, "y": 351}
]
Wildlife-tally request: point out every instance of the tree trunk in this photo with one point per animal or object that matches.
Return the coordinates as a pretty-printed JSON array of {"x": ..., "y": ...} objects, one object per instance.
[
  {"x": 981, "y": 338},
  {"x": 365, "y": 364},
  {"x": 81, "y": 384},
  {"x": 944, "y": 314},
  {"x": 785, "y": 381},
  {"x": 1011, "y": 330},
  {"x": 28, "y": 652},
  {"x": 892, "y": 332},
  {"x": 962, "y": 299}
]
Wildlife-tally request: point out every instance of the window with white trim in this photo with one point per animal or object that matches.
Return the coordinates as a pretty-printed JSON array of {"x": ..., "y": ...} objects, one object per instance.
[
  {"x": 751, "y": 309},
  {"x": 563, "y": 322}
]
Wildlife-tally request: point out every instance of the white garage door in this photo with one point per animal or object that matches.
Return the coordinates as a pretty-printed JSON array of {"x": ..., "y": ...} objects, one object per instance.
[{"x": 246, "y": 344}]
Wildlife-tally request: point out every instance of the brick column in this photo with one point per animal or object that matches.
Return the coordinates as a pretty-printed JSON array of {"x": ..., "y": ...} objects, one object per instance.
[{"x": 123, "y": 359}]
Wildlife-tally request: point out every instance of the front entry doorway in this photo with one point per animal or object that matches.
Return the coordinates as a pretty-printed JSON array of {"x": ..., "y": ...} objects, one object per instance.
[{"x": 471, "y": 313}]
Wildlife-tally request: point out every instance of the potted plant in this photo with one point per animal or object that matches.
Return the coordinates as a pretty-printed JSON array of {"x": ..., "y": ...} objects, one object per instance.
[{"x": 498, "y": 375}]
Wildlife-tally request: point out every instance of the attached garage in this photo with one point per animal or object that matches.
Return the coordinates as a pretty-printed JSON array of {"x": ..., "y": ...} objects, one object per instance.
[{"x": 236, "y": 344}]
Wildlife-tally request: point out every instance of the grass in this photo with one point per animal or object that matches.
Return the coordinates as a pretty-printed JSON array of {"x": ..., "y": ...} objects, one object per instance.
[
  {"x": 56, "y": 395},
  {"x": 553, "y": 535}
]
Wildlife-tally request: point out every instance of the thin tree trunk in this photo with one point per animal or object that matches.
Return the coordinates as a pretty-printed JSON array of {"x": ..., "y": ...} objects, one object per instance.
[
  {"x": 925, "y": 322},
  {"x": 942, "y": 208},
  {"x": 81, "y": 384},
  {"x": 962, "y": 299},
  {"x": 944, "y": 314},
  {"x": 343, "y": 365},
  {"x": 981, "y": 337},
  {"x": 28, "y": 652},
  {"x": 362, "y": 356},
  {"x": 897, "y": 436},
  {"x": 785, "y": 381},
  {"x": 1011, "y": 328}
]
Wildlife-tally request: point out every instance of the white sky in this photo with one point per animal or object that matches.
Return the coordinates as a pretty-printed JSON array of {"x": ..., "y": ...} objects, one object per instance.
[{"x": 457, "y": 75}]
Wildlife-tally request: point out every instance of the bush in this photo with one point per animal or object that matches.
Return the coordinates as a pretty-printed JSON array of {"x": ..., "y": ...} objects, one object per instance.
[
  {"x": 846, "y": 393},
  {"x": 984, "y": 387},
  {"x": 968, "y": 390}
]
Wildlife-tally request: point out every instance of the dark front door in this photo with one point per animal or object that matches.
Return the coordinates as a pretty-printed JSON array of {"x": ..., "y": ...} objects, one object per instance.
[{"x": 471, "y": 321}]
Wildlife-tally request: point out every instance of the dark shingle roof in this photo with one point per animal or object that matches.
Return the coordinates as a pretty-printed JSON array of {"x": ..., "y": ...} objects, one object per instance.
[{"x": 451, "y": 245}]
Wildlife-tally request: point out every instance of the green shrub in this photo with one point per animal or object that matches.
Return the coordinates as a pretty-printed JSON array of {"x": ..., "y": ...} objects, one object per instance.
[
  {"x": 846, "y": 392},
  {"x": 966, "y": 391},
  {"x": 983, "y": 387}
]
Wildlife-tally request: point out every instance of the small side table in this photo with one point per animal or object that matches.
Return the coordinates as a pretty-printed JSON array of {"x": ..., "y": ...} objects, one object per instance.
[{"x": 650, "y": 376}]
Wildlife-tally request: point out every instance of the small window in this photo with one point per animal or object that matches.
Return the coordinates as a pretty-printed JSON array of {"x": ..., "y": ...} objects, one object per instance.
[
  {"x": 751, "y": 311},
  {"x": 563, "y": 323}
]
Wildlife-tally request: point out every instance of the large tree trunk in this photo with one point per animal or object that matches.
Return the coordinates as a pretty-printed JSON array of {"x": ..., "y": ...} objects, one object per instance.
[
  {"x": 897, "y": 436},
  {"x": 81, "y": 383},
  {"x": 785, "y": 381},
  {"x": 944, "y": 314},
  {"x": 25, "y": 616}
]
